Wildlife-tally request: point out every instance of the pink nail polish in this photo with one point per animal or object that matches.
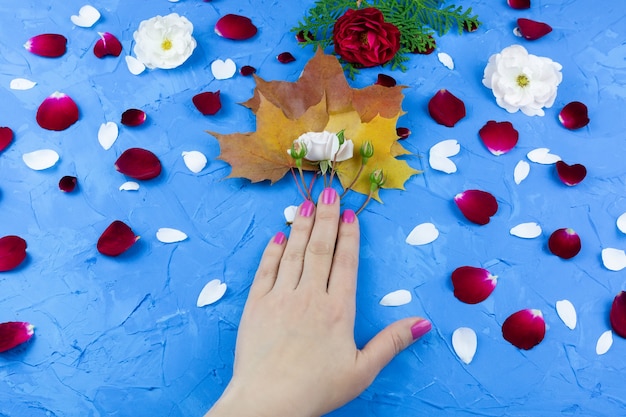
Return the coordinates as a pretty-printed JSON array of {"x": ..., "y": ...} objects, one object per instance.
[
  {"x": 306, "y": 209},
  {"x": 420, "y": 328},
  {"x": 279, "y": 238},
  {"x": 348, "y": 216},
  {"x": 328, "y": 195}
]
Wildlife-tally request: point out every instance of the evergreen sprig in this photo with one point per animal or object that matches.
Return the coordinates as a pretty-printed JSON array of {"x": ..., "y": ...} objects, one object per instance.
[{"x": 417, "y": 20}]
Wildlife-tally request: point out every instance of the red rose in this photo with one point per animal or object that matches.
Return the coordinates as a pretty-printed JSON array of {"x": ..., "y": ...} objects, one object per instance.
[{"x": 363, "y": 37}]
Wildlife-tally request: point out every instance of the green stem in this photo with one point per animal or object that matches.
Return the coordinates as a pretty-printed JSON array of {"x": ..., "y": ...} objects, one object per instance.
[
  {"x": 356, "y": 178},
  {"x": 308, "y": 194},
  {"x": 369, "y": 197}
]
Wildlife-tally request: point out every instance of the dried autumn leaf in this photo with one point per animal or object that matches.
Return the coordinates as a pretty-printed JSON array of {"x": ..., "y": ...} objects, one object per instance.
[{"x": 320, "y": 100}]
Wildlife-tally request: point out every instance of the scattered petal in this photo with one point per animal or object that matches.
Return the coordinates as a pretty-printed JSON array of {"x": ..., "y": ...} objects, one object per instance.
[
  {"x": 396, "y": 298},
  {"x": 134, "y": 65},
  {"x": 445, "y": 108},
  {"x": 129, "y": 186},
  {"x": 522, "y": 169},
  {"x": 211, "y": 293},
  {"x": 439, "y": 155},
  {"x": 446, "y": 60},
  {"x": 21, "y": 84},
  {"x": 403, "y": 132},
  {"x": 429, "y": 47},
  {"x": 542, "y": 156},
  {"x": 57, "y": 112},
  {"x": 167, "y": 235},
  {"x": 232, "y": 26},
  {"x": 49, "y": 45},
  {"x": 68, "y": 183},
  {"x": 107, "y": 134},
  {"x": 464, "y": 342},
  {"x": 618, "y": 314},
  {"x": 195, "y": 161},
  {"x": 566, "y": 311},
  {"x": 247, "y": 70},
  {"x": 14, "y": 333},
  {"x": 385, "y": 81},
  {"x": 138, "y": 163},
  {"x": 223, "y": 70},
  {"x": 290, "y": 213},
  {"x": 473, "y": 285},
  {"x": 208, "y": 103},
  {"x": 532, "y": 30},
  {"x": 40, "y": 159},
  {"x": 87, "y": 17},
  {"x": 564, "y": 243},
  {"x": 303, "y": 37},
  {"x": 524, "y": 329},
  {"x": 116, "y": 239},
  {"x": 604, "y": 343},
  {"x": 6, "y": 137},
  {"x": 570, "y": 174},
  {"x": 422, "y": 234},
  {"x": 621, "y": 220},
  {"x": 108, "y": 44},
  {"x": 285, "y": 58},
  {"x": 613, "y": 259},
  {"x": 133, "y": 117},
  {"x": 499, "y": 137},
  {"x": 574, "y": 115},
  {"x": 12, "y": 252},
  {"x": 519, "y": 4},
  {"x": 476, "y": 205},
  {"x": 528, "y": 230},
  {"x": 470, "y": 27}
]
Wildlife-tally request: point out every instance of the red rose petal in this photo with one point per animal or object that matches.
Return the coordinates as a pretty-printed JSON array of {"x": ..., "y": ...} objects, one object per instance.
[
  {"x": 570, "y": 174},
  {"x": 50, "y": 45},
  {"x": 285, "y": 57},
  {"x": 303, "y": 37},
  {"x": 247, "y": 70},
  {"x": 574, "y": 115},
  {"x": 519, "y": 4},
  {"x": 6, "y": 136},
  {"x": 532, "y": 30},
  {"x": 403, "y": 132},
  {"x": 618, "y": 314},
  {"x": 138, "y": 163},
  {"x": 14, "y": 333},
  {"x": 133, "y": 117},
  {"x": 232, "y": 26},
  {"x": 208, "y": 102},
  {"x": 68, "y": 183},
  {"x": 499, "y": 137},
  {"x": 445, "y": 108},
  {"x": 108, "y": 44},
  {"x": 472, "y": 285},
  {"x": 116, "y": 239},
  {"x": 12, "y": 252},
  {"x": 57, "y": 112},
  {"x": 476, "y": 205},
  {"x": 524, "y": 329},
  {"x": 470, "y": 27},
  {"x": 564, "y": 243},
  {"x": 429, "y": 48},
  {"x": 385, "y": 81}
]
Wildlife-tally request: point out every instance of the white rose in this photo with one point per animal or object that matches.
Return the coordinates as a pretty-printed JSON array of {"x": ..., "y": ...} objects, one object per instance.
[
  {"x": 164, "y": 41},
  {"x": 324, "y": 146},
  {"x": 522, "y": 81}
]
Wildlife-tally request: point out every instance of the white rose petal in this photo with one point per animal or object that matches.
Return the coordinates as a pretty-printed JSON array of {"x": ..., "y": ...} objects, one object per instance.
[
  {"x": 134, "y": 65},
  {"x": 614, "y": 259},
  {"x": 167, "y": 235},
  {"x": 464, "y": 342},
  {"x": 107, "y": 134},
  {"x": 87, "y": 17},
  {"x": 439, "y": 155},
  {"x": 396, "y": 298},
  {"x": 542, "y": 156},
  {"x": 528, "y": 230},
  {"x": 21, "y": 84},
  {"x": 566, "y": 311},
  {"x": 212, "y": 292},
  {"x": 605, "y": 341},
  {"x": 324, "y": 146},
  {"x": 422, "y": 234},
  {"x": 194, "y": 160},
  {"x": 446, "y": 60},
  {"x": 521, "y": 171},
  {"x": 129, "y": 186},
  {"x": 223, "y": 70},
  {"x": 290, "y": 213},
  {"x": 621, "y": 223},
  {"x": 41, "y": 159}
]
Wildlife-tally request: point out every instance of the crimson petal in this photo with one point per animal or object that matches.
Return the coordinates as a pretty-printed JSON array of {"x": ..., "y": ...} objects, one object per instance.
[
  {"x": 208, "y": 103},
  {"x": 303, "y": 37},
  {"x": 532, "y": 30},
  {"x": 403, "y": 132},
  {"x": 385, "y": 81},
  {"x": 50, "y": 45},
  {"x": 564, "y": 243},
  {"x": 116, "y": 239},
  {"x": 519, "y": 4},
  {"x": 285, "y": 57},
  {"x": 57, "y": 112},
  {"x": 574, "y": 115},
  {"x": 108, "y": 44},
  {"x": 138, "y": 163},
  {"x": 133, "y": 117},
  {"x": 499, "y": 137},
  {"x": 445, "y": 108},
  {"x": 68, "y": 183},
  {"x": 6, "y": 136},
  {"x": 476, "y": 205},
  {"x": 618, "y": 314},
  {"x": 12, "y": 252},
  {"x": 428, "y": 48},
  {"x": 570, "y": 174},
  {"x": 470, "y": 27},
  {"x": 232, "y": 26},
  {"x": 247, "y": 70},
  {"x": 524, "y": 329},
  {"x": 14, "y": 333},
  {"x": 472, "y": 285}
]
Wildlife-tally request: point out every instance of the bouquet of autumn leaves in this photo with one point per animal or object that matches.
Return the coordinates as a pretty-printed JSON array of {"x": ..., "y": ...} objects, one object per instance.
[{"x": 320, "y": 124}]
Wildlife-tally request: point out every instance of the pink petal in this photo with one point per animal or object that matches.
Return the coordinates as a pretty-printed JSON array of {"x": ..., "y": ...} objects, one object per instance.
[
  {"x": 570, "y": 174},
  {"x": 12, "y": 252},
  {"x": 445, "y": 108},
  {"x": 499, "y": 137},
  {"x": 108, "y": 44},
  {"x": 385, "y": 81},
  {"x": 57, "y": 112},
  {"x": 50, "y": 45},
  {"x": 519, "y": 4},
  {"x": 564, "y": 243},
  {"x": 303, "y": 37},
  {"x": 403, "y": 132},
  {"x": 68, "y": 183},
  {"x": 133, "y": 117},
  {"x": 232, "y": 26},
  {"x": 208, "y": 102},
  {"x": 247, "y": 70},
  {"x": 285, "y": 57},
  {"x": 532, "y": 30},
  {"x": 574, "y": 115},
  {"x": 476, "y": 205},
  {"x": 6, "y": 136},
  {"x": 116, "y": 239},
  {"x": 139, "y": 164},
  {"x": 472, "y": 285},
  {"x": 618, "y": 314},
  {"x": 14, "y": 333},
  {"x": 524, "y": 329}
]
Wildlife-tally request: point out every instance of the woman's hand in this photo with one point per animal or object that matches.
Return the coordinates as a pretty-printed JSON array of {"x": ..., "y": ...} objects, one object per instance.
[{"x": 295, "y": 353}]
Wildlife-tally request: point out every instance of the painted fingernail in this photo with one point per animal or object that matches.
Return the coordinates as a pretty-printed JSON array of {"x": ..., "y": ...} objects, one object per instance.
[
  {"x": 280, "y": 238},
  {"x": 306, "y": 209},
  {"x": 420, "y": 328},
  {"x": 328, "y": 195},
  {"x": 348, "y": 216}
]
